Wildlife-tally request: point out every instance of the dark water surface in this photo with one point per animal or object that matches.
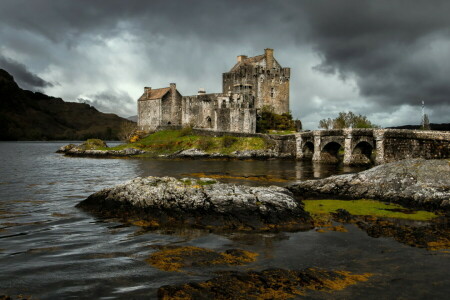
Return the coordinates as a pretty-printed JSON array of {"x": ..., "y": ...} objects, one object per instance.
[{"x": 51, "y": 250}]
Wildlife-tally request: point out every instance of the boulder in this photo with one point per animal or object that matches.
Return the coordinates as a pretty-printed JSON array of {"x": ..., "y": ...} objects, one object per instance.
[
  {"x": 66, "y": 148},
  {"x": 190, "y": 153},
  {"x": 412, "y": 183},
  {"x": 200, "y": 203}
]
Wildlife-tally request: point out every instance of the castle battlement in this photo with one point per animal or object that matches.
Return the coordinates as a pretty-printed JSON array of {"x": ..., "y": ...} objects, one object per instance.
[{"x": 252, "y": 83}]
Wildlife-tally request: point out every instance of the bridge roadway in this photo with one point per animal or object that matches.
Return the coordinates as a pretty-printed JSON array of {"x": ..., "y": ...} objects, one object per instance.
[{"x": 361, "y": 146}]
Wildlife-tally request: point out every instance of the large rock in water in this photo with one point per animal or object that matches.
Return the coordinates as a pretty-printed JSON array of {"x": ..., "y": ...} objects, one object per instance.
[
  {"x": 202, "y": 203},
  {"x": 411, "y": 182}
]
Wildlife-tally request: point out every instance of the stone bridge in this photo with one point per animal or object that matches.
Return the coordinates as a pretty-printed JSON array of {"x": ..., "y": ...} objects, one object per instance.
[{"x": 363, "y": 146}]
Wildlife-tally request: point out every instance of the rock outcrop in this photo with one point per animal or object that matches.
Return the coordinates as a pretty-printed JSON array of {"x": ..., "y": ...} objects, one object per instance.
[
  {"x": 243, "y": 154},
  {"x": 200, "y": 203},
  {"x": 412, "y": 183},
  {"x": 95, "y": 148}
]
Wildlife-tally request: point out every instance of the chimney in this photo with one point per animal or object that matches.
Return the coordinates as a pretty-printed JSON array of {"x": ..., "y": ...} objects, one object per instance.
[
  {"x": 173, "y": 88},
  {"x": 241, "y": 58},
  {"x": 201, "y": 91},
  {"x": 268, "y": 53},
  {"x": 147, "y": 91}
]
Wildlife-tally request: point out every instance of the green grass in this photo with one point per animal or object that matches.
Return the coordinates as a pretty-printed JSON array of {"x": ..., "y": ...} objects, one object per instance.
[
  {"x": 281, "y": 132},
  {"x": 170, "y": 141},
  {"x": 365, "y": 207}
]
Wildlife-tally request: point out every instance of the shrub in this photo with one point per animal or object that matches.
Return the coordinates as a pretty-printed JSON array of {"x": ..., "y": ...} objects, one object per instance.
[{"x": 228, "y": 141}]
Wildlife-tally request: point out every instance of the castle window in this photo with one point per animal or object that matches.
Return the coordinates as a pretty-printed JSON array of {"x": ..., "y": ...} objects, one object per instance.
[{"x": 271, "y": 92}]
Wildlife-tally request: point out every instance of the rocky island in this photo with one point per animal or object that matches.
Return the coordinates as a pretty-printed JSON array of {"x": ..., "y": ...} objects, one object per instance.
[
  {"x": 200, "y": 203},
  {"x": 411, "y": 182},
  {"x": 188, "y": 143}
]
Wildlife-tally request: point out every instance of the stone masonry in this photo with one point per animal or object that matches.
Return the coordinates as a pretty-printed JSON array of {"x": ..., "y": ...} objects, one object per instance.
[
  {"x": 360, "y": 146},
  {"x": 251, "y": 84}
]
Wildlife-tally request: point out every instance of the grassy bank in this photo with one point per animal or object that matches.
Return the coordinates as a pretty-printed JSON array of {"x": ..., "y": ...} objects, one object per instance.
[{"x": 171, "y": 141}]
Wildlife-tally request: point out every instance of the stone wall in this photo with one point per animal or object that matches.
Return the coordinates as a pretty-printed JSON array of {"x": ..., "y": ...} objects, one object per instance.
[
  {"x": 149, "y": 114},
  {"x": 198, "y": 110},
  {"x": 360, "y": 145},
  {"x": 266, "y": 80},
  {"x": 399, "y": 144},
  {"x": 232, "y": 112}
]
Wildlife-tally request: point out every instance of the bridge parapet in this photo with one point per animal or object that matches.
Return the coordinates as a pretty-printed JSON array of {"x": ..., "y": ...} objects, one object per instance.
[
  {"x": 397, "y": 144},
  {"x": 362, "y": 146}
]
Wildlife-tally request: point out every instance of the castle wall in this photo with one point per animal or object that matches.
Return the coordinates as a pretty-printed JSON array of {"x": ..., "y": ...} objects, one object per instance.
[
  {"x": 252, "y": 83},
  {"x": 273, "y": 90},
  {"x": 198, "y": 110},
  {"x": 268, "y": 86},
  {"x": 149, "y": 114},
  {"x": 175, "y": 106},
  {"x": 219, "y": 112}
]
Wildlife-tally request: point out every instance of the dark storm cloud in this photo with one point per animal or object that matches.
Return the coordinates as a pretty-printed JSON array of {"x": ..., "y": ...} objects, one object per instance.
[
  {"x": 214, "y": 20},
  {"x": 22, "y": 75},
  {"x": 110, "y": 101},
  {"x": 398, "y": 50},
  {"x": 395, "y": 51}
]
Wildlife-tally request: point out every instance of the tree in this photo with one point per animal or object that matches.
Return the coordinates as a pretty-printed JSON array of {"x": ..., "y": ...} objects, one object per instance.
[
  {"x": 267, "y": 119},
  {"x": 127, "y": 130},
  {"x": 346, "y": 120}
]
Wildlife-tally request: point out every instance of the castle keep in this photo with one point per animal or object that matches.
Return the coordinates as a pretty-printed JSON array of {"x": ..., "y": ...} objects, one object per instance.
[{"x": 251, "y": 84}]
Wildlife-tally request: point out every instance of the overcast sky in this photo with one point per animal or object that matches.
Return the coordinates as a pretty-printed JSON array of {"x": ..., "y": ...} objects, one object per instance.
[{"x": 377, "y": 58}]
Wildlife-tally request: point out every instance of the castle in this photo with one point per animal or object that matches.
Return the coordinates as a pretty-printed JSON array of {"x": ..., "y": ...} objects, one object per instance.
[{"x": 252, "y": 83}]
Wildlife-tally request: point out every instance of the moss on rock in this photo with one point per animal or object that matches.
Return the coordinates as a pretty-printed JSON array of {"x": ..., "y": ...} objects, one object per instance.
[{"x": 268, "y": 284}]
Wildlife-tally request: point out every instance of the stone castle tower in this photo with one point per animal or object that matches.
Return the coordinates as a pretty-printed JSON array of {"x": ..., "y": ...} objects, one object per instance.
[
  {"x": 251, "y": 84},
  {"x": 262, "y": 77}
]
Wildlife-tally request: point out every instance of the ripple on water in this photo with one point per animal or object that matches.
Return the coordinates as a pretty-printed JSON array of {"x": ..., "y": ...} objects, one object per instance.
[{"x": 56, "y": 251}]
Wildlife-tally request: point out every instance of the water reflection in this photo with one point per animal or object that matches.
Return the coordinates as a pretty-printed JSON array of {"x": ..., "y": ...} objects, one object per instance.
[
  {"x": 287, "y": 170},
  {"x": 51, "y": 250}
]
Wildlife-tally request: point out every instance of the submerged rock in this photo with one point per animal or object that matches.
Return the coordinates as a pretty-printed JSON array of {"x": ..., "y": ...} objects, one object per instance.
[
  {"x": 434, "y": 236},
  {"x": 411, "y": 182},
  {"x": 267, "y": 284},
  {"x": 201, "y": 203},
  {"x": 173, "y": 258}
]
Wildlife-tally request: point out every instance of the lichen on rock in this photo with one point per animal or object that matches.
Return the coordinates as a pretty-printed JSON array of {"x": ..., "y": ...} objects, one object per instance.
[{"x": 200, "y": 203}]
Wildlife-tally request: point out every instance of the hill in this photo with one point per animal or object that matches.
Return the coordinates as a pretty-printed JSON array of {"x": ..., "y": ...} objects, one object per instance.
[{"x": 27, "y": 115}]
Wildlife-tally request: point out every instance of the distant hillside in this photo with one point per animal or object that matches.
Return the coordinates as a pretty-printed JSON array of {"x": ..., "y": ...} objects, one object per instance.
[
  {"x": 133, "y": 118},
  {"x": 440, "y": 127},
  {"x": 26, "y": 115}
]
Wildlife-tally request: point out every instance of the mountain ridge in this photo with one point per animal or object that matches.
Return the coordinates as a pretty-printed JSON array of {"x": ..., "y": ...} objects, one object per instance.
[{"x": 27, "y": 115}]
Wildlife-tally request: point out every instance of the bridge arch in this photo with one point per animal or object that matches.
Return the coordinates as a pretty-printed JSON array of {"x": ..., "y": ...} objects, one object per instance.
[
  {"x": 330, "y": 152},
  {"x": 308, "y": 150},
  {"x": 362, "y": 153}
]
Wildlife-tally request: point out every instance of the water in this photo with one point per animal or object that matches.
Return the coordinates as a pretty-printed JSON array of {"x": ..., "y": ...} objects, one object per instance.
[{"x": 51, "y": 250}]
